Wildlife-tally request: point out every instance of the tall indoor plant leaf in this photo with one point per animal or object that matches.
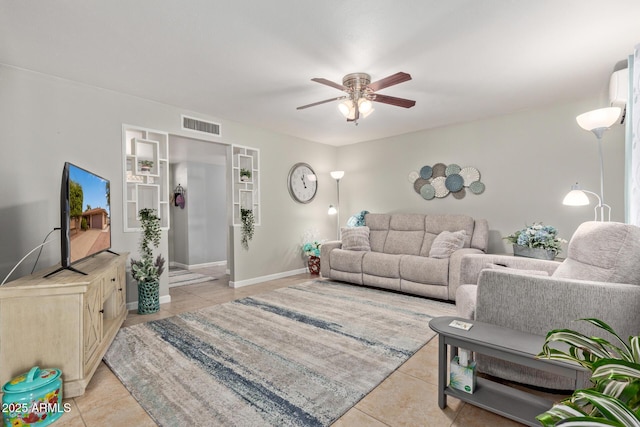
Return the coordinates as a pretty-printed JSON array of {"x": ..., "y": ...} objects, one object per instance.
[
  {"x": 615, "y": 372},
  {"x": 147, "y": 270}
]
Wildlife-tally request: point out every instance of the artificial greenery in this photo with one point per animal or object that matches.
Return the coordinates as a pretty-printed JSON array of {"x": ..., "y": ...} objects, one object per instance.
[
  {"x": 312, "y": 248},
  {"x": 615, "y": 398},
  {"x": 537, "y": 236},
  {"x": 146, "y": 163},
  {"x": 245, "y": 172},
  {"x": 248, "y": 222},
  {"x": 146, "y": 269}
]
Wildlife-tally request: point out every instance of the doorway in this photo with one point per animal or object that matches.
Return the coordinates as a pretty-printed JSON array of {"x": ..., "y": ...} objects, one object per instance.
[{"x": 198, "y": 233}]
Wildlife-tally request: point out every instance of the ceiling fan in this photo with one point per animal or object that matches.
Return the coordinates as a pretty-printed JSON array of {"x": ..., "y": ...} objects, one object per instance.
[{"x": 361, "y": 92}]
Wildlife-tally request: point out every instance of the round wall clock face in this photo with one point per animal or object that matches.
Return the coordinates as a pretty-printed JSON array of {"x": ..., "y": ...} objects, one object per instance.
[{"x": 301, "y": 188}]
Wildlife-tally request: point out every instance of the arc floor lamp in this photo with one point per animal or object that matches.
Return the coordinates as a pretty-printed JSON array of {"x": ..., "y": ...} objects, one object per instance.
[
  {"x": 596, "y": 121},
  {"x": 335, "y": 210}
]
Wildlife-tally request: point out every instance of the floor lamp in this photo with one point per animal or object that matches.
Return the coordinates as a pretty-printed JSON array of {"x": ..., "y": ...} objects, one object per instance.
[
  {"x": 596, "y": 121},
  {"x": 335, "y": 210}
]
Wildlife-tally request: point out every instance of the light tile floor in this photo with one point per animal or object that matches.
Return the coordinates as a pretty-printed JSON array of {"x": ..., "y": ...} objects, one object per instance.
[{"x": 408, "y": 397}]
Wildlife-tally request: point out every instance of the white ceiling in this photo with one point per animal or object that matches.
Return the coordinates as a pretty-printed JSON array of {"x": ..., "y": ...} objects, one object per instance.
[{"x": 251, "y": 61}]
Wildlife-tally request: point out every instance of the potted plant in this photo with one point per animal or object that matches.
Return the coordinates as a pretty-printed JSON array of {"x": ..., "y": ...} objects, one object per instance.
[
  {"x": 614, "y": 400},
  {"x": 145, "y": 165},
  {"x": 147, "y": 270},
  {"x": 248, "y": 222},
  {"x": 312, "y": 250},
  {"x": 245, "y": 175},
  {"x": 536, "y": 241}
]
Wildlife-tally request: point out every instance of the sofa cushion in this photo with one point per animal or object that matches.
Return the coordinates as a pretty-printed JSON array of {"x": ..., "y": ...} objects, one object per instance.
[
  {"x": 344, "y": 260},
  {"x": 447, "y": 243},
  {"x": 355, "y": 238},
  {"x": 406, "y": 233},
  {"x": 378, "y": 229},
  {"x": 436, "y": 224},
  {"x": 421, "y": 269},
  {"x": 379, "y": 264}
]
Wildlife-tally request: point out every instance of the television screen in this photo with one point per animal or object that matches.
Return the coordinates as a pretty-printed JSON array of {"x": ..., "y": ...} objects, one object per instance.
[{"x": 86, "y": 214}]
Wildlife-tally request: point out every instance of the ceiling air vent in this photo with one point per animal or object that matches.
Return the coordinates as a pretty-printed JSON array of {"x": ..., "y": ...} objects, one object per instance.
[{"x": 198, "y": 125}]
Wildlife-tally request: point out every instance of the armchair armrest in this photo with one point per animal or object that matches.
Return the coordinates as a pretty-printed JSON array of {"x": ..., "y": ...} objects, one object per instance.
[
  {"x": 325, "y": 258},
  {"x": 472, "y": 264},
  {"x": 538, "y": 304},
  {"x": 455, "y": 272}
]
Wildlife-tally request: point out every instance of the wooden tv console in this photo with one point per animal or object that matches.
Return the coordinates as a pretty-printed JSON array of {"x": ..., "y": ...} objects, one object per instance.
[{"x": 66, "y": 321}]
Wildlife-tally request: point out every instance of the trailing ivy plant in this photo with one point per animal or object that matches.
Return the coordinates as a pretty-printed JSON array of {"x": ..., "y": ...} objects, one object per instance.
[
  {"x": 615, "y": 371},
  {"x": 146, "y": 269},
  {"x": 248, "y": 222}
]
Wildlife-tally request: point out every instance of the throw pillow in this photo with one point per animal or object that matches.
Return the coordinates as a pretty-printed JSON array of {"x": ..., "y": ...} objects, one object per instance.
[
  {"x": 357, "y": 220},
  {"x": 356, "y": 238},
  {"x": 447, "y": 243},
  {"x": 516, "y": 270}
]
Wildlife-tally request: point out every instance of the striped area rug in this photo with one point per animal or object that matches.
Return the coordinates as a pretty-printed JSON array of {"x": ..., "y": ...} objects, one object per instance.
[
  {"x": 296, "y": 356},
  {"x": 180, "y": 277}
]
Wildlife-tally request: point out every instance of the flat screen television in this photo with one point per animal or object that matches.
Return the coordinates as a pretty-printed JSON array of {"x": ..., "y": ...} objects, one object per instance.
[{"x": 85, "y": 215}]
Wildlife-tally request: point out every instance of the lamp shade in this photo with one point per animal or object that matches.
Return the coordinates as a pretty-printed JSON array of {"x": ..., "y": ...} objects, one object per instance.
[
  {"x": 346, "y": 108},
  {"x": 337, "y": 174},
  {"x": 596, "y": 119},
  {"x": 575, "y": 198},
  {"x": 365, "y": 106}
]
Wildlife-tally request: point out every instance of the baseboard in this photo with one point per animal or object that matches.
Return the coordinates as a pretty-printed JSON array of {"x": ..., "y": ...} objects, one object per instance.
[
  {"x": 134, "y": 305},
  {"x": 256, "y": 280},
  {"x": 196, "y": 266}
]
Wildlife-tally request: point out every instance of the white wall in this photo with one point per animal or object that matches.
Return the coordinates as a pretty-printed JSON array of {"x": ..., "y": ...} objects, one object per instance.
[
  {"x": 208, "y": 240},
  {"x": 527, "y": 160},
  {"x": 179, "y": 232},
  {"x": 45, "y": 121}
]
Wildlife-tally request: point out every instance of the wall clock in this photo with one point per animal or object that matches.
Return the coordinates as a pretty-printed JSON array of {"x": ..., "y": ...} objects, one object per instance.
[{"x": 301, "y": 188}]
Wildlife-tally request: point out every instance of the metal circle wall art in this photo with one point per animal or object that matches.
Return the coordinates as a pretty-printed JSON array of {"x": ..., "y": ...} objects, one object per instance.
[{"x": 441, "y": 180}]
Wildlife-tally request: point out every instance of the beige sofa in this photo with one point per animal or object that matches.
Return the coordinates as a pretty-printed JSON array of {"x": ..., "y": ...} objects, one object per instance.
[{"x": 396, "y": 253}]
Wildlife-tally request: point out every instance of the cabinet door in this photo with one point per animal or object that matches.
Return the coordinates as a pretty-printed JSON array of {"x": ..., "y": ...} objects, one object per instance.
[{"x": 92, "y": 319}]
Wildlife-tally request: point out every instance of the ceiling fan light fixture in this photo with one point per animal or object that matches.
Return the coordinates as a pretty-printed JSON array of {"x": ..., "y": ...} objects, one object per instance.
[
  {"x": 361, "y": 93},
  {"x": 346, "y": 108},
  {"x": 365, "y": 106}
]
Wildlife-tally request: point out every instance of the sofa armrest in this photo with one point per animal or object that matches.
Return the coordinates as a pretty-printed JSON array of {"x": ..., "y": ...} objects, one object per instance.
[
  {"x": 325, "y": 258},
  {"x": 538, "y": 304},
  {"x": 455, "y": 261},
  {"x": 472, "y": 264}
]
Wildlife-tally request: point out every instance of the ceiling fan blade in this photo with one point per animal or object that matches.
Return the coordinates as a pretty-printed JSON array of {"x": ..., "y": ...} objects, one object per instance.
[
  {"x": 392, "y": 100},
  {"x": 329, "y": 83},
  {"x": 389, "y": 81},
  {"x": 320, "y": 102}
]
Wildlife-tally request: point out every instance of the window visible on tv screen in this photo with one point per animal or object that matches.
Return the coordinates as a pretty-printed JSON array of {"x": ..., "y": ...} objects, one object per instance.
[{"x": 89, "y": 213}]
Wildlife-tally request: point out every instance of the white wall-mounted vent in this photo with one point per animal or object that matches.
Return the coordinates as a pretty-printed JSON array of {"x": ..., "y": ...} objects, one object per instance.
[{"x": 199, "y": 125}]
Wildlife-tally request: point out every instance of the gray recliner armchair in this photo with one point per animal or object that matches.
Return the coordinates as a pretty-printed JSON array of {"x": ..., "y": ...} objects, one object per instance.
[{"x": 599, "y": 278}]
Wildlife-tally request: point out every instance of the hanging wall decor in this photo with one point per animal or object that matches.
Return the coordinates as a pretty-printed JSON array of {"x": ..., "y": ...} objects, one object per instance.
[
  {"x": 178, "y": 197},
  {"x": 441, "y": 180}
]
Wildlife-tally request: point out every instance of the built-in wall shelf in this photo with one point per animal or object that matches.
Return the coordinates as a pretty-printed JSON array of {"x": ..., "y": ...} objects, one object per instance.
[
  {"x": 246, "y": 189},
  {"x": 146, "y": 175}
]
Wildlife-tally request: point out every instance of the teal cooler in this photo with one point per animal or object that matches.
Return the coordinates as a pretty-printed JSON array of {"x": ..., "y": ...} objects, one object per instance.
[{"x": 33, "y": 398}]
